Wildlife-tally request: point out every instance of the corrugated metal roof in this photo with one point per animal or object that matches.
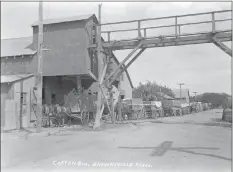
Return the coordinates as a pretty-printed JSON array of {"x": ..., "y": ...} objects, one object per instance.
[
  {"x": 13, "y": 78},
  {"x": 16, "y": 47},
  {"x": 66, "y": 19}
]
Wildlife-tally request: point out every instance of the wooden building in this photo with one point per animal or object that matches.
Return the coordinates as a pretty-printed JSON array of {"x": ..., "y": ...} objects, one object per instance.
[
  {"x": 185, "y": 96},
  {"x": 15, "y": 101},
  {"x": 67, "y": 61}
]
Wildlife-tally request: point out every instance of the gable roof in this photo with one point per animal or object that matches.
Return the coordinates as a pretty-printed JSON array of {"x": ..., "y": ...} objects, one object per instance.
[
  {"x": 16, "y": 47},
  {"x": 184, "y": 93},
  {"x": 65, "y": 19}
]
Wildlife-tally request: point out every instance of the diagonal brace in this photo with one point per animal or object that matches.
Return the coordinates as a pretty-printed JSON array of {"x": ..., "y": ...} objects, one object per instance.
[
  {"x": 117, "y": 74},
  {"x": 223, "y": 47},
  {"x": 105, "y": 100},
  {"x": 121, "y": 64}
]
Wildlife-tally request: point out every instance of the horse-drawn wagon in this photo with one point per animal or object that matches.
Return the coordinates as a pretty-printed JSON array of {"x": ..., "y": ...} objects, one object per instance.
[{"x": 76, "y": 106}]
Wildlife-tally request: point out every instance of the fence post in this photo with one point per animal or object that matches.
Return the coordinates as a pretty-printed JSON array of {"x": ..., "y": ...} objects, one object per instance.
[
  {"x": 213, "y": 23},
  {"x": 145, "y": 33},
  {"x": 176, "y": 26},
  {"x": 179, "y": 30},
  {"x": 108, "y": 36},
  {"x": 139, "y": 29}
]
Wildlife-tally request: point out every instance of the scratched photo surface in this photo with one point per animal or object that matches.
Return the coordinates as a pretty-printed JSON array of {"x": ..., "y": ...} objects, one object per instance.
[{"x": 116, "y": 86}]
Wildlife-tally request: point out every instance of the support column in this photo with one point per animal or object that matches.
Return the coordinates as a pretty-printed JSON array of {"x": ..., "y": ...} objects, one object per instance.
[
  {"x": 119, "y": 108},
  {"x": 99, "y": 95},
  {"x": 39, "y": 76},
  {"x": 112, "y": 105},
  {"x": 79, "y": 85},
  {"x": 119, "y": 102}
]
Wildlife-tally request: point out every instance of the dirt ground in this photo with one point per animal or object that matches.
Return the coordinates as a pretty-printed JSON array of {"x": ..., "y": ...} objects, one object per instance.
[{"x": 178, "y": 144}]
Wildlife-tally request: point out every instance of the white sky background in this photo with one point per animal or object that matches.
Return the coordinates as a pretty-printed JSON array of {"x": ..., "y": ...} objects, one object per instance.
[{"x": 203, "y": 68}]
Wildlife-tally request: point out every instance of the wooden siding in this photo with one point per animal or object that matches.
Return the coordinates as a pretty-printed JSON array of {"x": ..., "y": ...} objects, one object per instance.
[
  {"x": 18, "y": 65},
  {"x": 27, "y": 85},
  {"x": 12, "y": 92},
  {"x": 5, "y": 95},
  {"x": 67, "y": 49}
]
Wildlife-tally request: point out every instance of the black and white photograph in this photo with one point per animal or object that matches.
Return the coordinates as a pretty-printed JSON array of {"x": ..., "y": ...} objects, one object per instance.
[{"x": 116, "y": 86}]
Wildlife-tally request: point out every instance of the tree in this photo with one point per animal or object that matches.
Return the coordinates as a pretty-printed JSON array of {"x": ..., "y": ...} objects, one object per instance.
[
  {"x": 150, "y": 91},
  {"x": 216, "y": 99}
]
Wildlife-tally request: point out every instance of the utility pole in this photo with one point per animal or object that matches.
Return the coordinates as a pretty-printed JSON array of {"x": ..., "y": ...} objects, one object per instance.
[
  {"x": 180, "y": 84},
  {"x": 99, "y": 95},
  {"x": 39, "y": 76},
  {"x": 195, "y": 95}
]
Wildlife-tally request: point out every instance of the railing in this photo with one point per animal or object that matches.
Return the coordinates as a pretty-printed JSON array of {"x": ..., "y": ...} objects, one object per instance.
[{"x": 177, "y": 26}]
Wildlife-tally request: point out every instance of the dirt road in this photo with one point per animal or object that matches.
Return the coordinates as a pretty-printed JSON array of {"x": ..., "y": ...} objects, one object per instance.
[{"x": 149, "y": 146}]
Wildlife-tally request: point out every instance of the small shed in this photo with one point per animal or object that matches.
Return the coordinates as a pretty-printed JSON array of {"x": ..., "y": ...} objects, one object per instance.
[{"x": 15, "y": 101}]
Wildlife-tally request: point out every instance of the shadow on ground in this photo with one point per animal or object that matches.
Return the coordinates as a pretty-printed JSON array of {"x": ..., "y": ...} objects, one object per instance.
[{"x": 167, "y": 146}]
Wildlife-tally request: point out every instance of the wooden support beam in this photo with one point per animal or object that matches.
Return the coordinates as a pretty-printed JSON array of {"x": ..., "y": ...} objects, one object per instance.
[
  {"x": 106, "y": 100},
  {"x": 144, "y": 33},
  {"x": 179, "y": 30},
  {"x": 109, "y": 36},
  {"x": 112, "y": 104},
  {"x": 120, "y": 65},
  {"x": 139, "y": 30},
  {"x": 103, "y": 73},
  {"x": 213, "y": 23},
  {"x": 119, "y": 108},
  {"x": 92, "y": 75},
  {"x": 118, "y": 74},
  {"x": 119, "y": 103},
  {"x": 99, "y": 96},
  {"x": 139, "y": 53},
  {"x": 166, "y": 26},
  {"x": 167, "y": 17},
  {"x": 176, "y": 33},
  {"x": 39, "y": 76},
  {"x": 170, "y": 40},
  {"x": 223, "y": 47},
  {"x": 79, "y": 84}
]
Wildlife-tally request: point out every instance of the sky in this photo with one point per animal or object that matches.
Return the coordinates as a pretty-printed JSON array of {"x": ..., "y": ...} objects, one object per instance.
[{"x": 202, "y": 68}]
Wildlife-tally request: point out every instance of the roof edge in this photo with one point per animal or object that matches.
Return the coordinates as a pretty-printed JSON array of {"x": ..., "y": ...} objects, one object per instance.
[
  {"x": 23, "y": 78},
  {"x": 25, "y": 54},
  {"x": 35, "y": 24},
  {"x": 16, "y": 38}
]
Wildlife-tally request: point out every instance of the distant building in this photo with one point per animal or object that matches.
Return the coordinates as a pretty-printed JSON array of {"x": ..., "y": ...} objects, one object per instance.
[
  {"x": 185, "y": 96},
  {"x": 168, "y": 97}
]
